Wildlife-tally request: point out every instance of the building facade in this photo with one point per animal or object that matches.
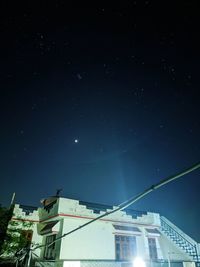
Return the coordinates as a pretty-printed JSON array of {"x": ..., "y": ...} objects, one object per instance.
[{"x": 115, "y": 240}]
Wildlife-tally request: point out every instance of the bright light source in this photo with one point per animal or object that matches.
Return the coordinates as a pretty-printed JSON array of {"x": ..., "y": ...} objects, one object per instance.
[{"x": 138, "y": 262}]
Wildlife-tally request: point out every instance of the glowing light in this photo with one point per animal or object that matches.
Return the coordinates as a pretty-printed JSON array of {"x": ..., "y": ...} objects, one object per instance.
[
  {"x": 138, "y": 262},
  {"x": 76, "y": 141}
]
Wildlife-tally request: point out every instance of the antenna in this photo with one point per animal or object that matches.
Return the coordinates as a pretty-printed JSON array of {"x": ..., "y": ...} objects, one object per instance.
[{"x": 12, "y": 199}]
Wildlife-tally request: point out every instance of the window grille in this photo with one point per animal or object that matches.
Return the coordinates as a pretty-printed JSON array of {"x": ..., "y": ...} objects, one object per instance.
[
  {"x": 49, "y": 252},
  {"x": 152, "y": 249},
  {"x": 125, "y": 247}
]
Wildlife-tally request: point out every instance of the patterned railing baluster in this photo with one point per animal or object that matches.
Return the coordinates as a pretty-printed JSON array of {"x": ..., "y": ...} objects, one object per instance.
[{"x": 180, "y": 240}]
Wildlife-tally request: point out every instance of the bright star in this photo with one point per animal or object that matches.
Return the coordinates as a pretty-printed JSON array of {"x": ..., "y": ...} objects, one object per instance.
[{"x": 76, "y": 141}]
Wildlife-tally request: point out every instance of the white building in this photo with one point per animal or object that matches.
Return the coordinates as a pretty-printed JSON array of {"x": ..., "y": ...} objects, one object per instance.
[{"x": 112, "y": 241}]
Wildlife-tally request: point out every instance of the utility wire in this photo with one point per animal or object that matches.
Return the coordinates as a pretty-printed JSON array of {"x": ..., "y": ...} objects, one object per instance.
[{"x": 129, "y": 202}]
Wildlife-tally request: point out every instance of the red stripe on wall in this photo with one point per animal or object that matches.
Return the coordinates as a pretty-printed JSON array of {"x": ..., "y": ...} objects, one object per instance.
[{"x": 91, "y": 218}]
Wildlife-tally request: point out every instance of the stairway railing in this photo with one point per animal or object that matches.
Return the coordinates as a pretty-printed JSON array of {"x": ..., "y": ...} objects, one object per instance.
[{"x": 179, "y": 239}]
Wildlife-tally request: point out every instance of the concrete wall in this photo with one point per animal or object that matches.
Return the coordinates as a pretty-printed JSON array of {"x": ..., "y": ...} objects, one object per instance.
[
  {"x": 91, "y": 242},
  {"x": 72, "y": 207}
]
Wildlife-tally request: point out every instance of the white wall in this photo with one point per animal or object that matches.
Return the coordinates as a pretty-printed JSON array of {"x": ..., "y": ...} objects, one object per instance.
[
  {"x": 92, "y": 242},
  {"x": 97, "y": 241}
]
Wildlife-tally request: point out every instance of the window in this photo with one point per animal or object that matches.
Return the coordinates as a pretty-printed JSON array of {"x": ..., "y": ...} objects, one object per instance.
[
  {"x": 49, "y": 252},
  {"x": 125, "y": 247},
  {"x": 26, "y": 237},
  {"x": 152, "y": 249}
]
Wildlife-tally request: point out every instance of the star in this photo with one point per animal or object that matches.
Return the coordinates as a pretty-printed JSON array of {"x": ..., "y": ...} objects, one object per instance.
[{"x": 76, "y": 141}]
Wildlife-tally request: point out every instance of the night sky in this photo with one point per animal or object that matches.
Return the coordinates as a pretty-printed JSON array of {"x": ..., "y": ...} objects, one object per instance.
[{"x": 101, "y": 102}]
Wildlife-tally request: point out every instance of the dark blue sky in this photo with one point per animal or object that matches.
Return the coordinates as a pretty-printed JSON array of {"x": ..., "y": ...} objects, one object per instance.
[{"x": 123, "y": 82}]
